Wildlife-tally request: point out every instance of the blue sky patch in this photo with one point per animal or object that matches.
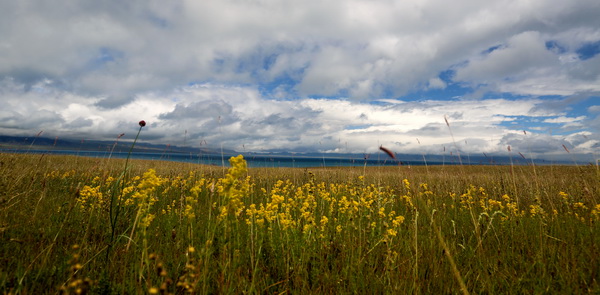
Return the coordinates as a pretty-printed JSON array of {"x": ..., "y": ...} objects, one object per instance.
[
  {"x": 555, "y": 47},
  {"x": 588, "y": 50}
]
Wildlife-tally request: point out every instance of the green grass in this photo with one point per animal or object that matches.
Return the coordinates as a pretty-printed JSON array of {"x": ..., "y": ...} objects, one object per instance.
[{"x": 194, "y": 228}]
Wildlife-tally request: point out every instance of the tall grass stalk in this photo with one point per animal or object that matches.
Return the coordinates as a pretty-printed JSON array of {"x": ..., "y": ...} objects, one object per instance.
[
  {"x": 423, "y": 154},
  {"x": 115, "y": 206},
  {"x": 34, "y": 139},
  {"x": 455, "y": 271},
  {"x": 112, "y": 149},
  {"x": 453, "y": 141},
  {"x": 416, "y": 286}
]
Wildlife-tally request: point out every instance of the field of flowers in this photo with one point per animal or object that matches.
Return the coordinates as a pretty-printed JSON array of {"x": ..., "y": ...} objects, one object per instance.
[{"x": 77, "y": 225}]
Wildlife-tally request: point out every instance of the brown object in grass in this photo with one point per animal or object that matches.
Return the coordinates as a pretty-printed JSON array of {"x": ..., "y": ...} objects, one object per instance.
[{"x": 388, "y": 152}]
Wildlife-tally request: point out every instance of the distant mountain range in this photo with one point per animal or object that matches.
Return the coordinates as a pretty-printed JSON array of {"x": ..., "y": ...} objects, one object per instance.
[
  {"x": 16, "y": 143},
  {"x": 44, "y": 143}
]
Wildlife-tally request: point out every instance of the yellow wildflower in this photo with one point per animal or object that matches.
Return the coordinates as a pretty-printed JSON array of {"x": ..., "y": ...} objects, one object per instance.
[
  {"x": 398, "y": 220},
  {"x": 406, "y": 183},
  {"x": 392, "y": 232},
  {"x": 536, "y": 210},
  {"x": 382, "y": 212},
  {"x": 596, "y": 211},
  {"x": 323, "y": 222}
]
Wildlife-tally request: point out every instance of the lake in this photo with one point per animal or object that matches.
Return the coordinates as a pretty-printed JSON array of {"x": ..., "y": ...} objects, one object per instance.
[{"x": 253, "y": 160}]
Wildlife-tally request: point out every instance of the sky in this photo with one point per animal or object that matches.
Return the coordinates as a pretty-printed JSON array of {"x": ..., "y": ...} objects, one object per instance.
[{"x": 327, "y": 76}]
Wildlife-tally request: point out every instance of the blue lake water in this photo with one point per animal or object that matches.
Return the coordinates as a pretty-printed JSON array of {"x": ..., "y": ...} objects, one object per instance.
[{"x": 253, "y": 160}]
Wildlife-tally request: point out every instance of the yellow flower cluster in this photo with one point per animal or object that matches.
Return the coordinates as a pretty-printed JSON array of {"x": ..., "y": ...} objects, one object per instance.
[
  {"x": 234, "y": 187},
  {"x": 145, "y": 196},
  {"x": 320, "y": 210},
  {"x": 477, "y": 198},
  {"x": 596, "y": 212},
  {"x": 76, "y": 284},
  {"x": 91, "y": 198},
  {"x": 138, "y": 192},
  {"x": 311, "y": 208},
  {"x": 577, "y": 207}
]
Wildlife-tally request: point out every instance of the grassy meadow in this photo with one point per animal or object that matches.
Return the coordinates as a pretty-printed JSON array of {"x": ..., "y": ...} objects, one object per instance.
[{"x": 76, "y": 225}]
